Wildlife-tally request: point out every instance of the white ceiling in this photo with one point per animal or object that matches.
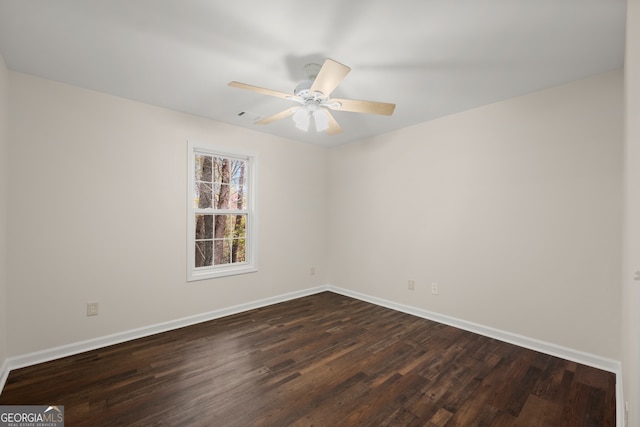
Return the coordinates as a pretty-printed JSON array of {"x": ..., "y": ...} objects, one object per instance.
[{"x": 429, "y": 57}]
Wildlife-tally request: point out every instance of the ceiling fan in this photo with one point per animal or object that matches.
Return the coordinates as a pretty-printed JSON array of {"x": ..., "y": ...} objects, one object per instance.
[{"x": 314, "y": 97}]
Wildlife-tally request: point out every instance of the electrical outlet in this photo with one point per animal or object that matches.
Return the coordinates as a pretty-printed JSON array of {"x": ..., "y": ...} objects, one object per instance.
[
  {"x": 92, "y": 309},
  {"x": 312, "y": 271},
  {"x": 412, "y": 285},
  {"x": 434, "y": 289}
]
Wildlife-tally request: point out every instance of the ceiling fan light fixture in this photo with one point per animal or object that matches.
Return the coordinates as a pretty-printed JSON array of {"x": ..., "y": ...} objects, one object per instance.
[
  {"x": 321, "y": 120},
  {"x": 301, "y": 119}
]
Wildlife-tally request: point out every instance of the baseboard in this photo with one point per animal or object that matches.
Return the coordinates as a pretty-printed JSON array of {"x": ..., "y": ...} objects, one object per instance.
[
  {"x": 29, "y": 359},
  {"x": 606, "y": 364},
  {"x": 578, "y": 356},
  {"x": 621, "y": 405},
  {"x": 47, "y": 355},
  {"x": 584, "y": 358},
  {"x": 4, "y": 373}
]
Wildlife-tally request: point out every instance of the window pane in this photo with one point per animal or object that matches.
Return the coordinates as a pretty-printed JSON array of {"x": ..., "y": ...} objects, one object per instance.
[
  {"x": 220, "y": 169},
  {"x": 222, "y": 251},
  {"x": 233, "y": 197},
  {"x": 238, "y": 251},
  {"x": 204, "y": 227},
  {"x": 221, "y": 196},
  {"x": 223, "y": 227},
  {"x": 204, "y": 253},
  {"x": 239, "y": 226},
  {"x": 238, "y": 172},
  {"x": 202, "y": 195},
  {"x": 237, "y": 197},
  {"x": 238, "y": 185},
  {"x": 216, "y": 196},
  {"x": 203, "y": 168},
  {"x": 196, "y": 194},
  {"x": 228, "y": 191},
  {"x": 229, "y": 235}
]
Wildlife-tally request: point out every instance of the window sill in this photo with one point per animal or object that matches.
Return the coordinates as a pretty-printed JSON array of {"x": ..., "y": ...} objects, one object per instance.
[{"x": 220, "y": 272}]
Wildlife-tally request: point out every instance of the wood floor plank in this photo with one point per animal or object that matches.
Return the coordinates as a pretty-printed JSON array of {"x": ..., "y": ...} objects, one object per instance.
[
  {"x": 539, "y": 412},
  {"x": 322, "y": 360}
]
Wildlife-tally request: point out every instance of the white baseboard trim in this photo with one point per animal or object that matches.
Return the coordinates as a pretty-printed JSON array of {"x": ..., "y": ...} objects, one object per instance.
[
  {"x": 578, "y": 356},
  {"x": 47, "y": 355},
  {"x": 621, "y": 403},
  {"x": 606, "y": 364},
  {"x": 4, "y": 374}
]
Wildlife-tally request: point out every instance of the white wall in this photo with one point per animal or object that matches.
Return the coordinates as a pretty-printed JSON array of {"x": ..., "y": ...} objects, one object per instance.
[
  {"x": 4, "y": 178},
  {"x": 97, "y": 208},
  {"x": 513, "y": 208},
  {"x": 631, "y": 287}
]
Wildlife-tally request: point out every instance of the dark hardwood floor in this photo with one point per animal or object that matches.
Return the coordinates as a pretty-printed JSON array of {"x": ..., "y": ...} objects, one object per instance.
[{"x": 322, "y": 360}]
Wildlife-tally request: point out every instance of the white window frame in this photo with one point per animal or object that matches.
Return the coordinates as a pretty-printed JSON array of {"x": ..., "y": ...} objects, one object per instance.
[{"x": 251, "y": 254}]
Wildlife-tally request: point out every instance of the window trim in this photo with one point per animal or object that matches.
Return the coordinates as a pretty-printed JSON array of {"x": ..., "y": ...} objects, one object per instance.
[{"x": 251, "y": 264}]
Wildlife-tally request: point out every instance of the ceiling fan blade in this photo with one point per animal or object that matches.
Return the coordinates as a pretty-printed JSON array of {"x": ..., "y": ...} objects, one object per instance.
[
  {"x": 262, "y": 90},
  {"x": 358, "y": 106},
  {"x": 334, "y": 127},
  {"x": 281, "y": 115},
  {"x": 329, "y": 77}
]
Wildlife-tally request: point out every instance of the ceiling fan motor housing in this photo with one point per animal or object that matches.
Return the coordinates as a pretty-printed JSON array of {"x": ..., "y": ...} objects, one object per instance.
[{"x": 303, "y": 91}]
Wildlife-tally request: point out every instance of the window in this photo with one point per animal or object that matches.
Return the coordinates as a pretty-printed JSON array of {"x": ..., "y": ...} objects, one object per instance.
[{"x": 221, "y": 231}]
